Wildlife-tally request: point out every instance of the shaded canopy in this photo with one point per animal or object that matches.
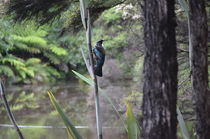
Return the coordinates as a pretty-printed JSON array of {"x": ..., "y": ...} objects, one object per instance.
[
  {"x": 46, "y": 10},
  {"x": 43, "y": 10}
]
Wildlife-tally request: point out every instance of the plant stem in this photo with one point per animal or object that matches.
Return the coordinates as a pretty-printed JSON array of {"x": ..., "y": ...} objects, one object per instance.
[
  {"x": 97, "y": 105},
  {"x": 9, "y": 113}
]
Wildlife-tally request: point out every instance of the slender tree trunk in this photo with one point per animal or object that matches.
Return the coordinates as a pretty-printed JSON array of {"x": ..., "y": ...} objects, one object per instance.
[
  {"x": 160, "y": 71},
  {"x": 199, "y": 37}
]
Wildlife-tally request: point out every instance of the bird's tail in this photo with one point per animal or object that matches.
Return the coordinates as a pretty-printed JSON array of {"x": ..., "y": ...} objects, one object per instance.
[{"x": 98, "y": 71}]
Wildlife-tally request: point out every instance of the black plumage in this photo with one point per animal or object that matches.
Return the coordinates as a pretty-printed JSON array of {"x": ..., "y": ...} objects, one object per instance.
[{"x": 99, "y": 53}]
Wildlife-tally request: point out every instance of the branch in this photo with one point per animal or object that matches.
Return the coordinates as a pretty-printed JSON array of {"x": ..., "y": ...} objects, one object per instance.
[
  {"x": 87, "y": 25},
  {"x": 182, "y": 50},
  {"x": 9, "y": 113},
  {"x": 98, "y": 113}
]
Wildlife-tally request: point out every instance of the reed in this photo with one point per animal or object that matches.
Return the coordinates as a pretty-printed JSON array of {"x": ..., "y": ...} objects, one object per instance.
[
  {"x": 85, "y": 16},
  {"x": 71, "y": 130}
]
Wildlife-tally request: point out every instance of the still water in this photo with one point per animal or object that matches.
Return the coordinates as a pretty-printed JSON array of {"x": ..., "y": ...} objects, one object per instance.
[{"x": 32, "y": 108}]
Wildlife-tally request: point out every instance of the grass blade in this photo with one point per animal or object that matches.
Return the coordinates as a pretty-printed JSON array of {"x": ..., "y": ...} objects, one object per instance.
[
  {"x": 182, "y": 124},
  {"x": 71, "y": 130},
  {"x": 87, "y": 80},
  {"x": 133, "y": 130},
  {"x": 90, "y": 82}
]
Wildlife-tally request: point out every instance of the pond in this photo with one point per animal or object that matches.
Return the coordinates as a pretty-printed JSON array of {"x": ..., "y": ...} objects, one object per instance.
[{"x": 38, "y": 119}]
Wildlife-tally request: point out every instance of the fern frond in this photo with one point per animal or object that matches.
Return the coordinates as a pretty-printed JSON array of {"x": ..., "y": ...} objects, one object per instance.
[
  {"x": 6, "y": 70},
  {"x": 57, "y": 50},
  {"x": 28, "y": 28},
  {"x": 6, "y": 44},
  {"x": 24, "y": 72},
  {"x": 26, "y": 48},
  {"x": 21, "y": 74},
  {"x": 51, "y": 71},
  {"x": 19, "y": 42},
  {"x": 14, "y": 61},
  {"x": 33, "y": 41},
  {"x": 32, "y": 61},
  {"x": 3, "y": 46},
  {"x": 53, "y": 58}
]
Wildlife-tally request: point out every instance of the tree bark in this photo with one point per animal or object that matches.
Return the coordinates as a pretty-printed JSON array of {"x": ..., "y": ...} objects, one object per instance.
[
  {"x": 199, "y": 37},
  {"x": 160, "y": 71}
]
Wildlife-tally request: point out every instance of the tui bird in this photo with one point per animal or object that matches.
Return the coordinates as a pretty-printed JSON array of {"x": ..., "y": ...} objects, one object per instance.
[{"x": 99, "y": 53}]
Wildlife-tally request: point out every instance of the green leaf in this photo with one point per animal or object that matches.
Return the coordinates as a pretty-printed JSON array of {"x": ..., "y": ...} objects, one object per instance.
[
  {"x": 71, "y": 130},
  {"x": 52, "y": 57},
  {"x": 57, "y": 50},
  {"x": 132, "y": 125},
  {"x": 22, "y": 74},
  {"x": 32, "y": 41},
  {"x": 87, "y": 80},
  {"x": 24, "y": 47},
  {"x": 14, "y": 61},
  {"x": 32, "y": 61},
  {"x": 27, "y": 71},
  {"x": 182, "y": 124},
  {"x": 6, "y": 70}
]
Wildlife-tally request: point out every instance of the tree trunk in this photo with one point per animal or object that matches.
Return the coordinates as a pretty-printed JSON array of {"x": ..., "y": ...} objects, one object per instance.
[
  {"x": 199, "y": 37},
  {"x": 160, "y": 71}
]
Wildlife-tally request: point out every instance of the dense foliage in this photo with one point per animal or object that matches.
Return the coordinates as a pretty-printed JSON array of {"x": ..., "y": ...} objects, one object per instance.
[
  {"x": 32, "y": 52},
  {"x": 57, "y": 45},
  {"x": 26, "y": 52},
  {"x": 46, "y": 52}
]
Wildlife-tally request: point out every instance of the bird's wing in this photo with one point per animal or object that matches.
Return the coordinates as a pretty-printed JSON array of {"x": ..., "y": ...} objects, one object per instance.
[{"x": 96, "y": 53}]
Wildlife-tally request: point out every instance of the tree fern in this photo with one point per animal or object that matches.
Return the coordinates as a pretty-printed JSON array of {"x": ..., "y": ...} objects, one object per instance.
[
  {"x": 6, "y": 70},
  {"x": 57, "y": 50},
  {"x": 3, "y": 46},
  {"x": 24, "y": 47},
  {"x": 6, "y": 42},
  {"x": 52, "y": 58},
  {"x": 32, "y": 61},
  {"x": 30, "y": 28},
  {"x": 12, "y": 60},
  {"x": 32, "y": 41},
  {"x": 26, "y": 52},
  {"x": 25, "y": 72}
]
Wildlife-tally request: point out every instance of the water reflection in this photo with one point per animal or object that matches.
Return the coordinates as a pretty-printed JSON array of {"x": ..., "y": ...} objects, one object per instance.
[{"x": 31, "y": 106}]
